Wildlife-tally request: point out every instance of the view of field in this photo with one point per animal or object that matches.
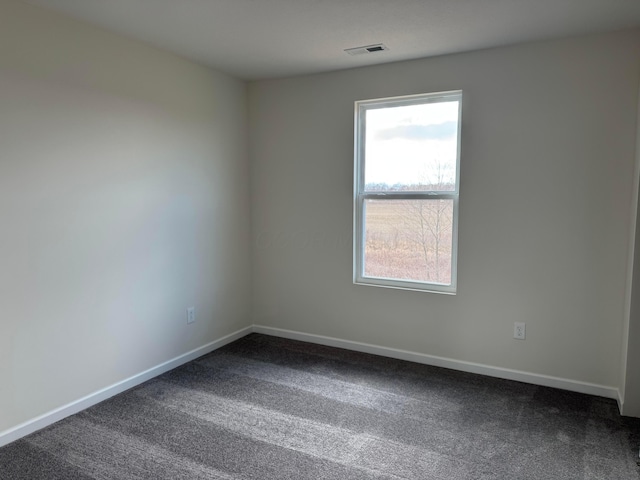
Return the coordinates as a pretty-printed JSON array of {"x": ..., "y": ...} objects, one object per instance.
[{"x": 409, "y": 239}]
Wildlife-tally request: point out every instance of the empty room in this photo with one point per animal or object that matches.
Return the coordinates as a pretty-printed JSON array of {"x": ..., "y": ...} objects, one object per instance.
[{"x": 319, "y": 239}]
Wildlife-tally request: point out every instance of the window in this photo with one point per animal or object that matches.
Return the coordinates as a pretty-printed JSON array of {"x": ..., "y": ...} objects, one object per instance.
[{"x": 407, "y": 157}]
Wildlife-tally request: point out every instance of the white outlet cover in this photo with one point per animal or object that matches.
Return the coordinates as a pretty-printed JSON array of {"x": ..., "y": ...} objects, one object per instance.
[
  {"x": 191, "y": 315},
  {"x": 519, "y": 330}
]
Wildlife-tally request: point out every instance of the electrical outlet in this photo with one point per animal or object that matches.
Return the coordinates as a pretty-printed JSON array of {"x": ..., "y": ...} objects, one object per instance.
[
  {"x": 191, "y": 315},
  {"x": 519, "y": 330}
]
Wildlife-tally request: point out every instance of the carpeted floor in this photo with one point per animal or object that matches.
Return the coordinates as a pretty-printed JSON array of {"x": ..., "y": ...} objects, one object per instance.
[{"x": 268, "y": 408}]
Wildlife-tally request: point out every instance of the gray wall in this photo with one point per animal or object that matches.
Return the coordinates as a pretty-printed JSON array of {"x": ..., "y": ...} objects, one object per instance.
[
  {"x": 632, "y": 382},
  {"x": 631, "y": 341},
  {"x": 546, "y": 193},
  {"x": 124, "y": 200}
]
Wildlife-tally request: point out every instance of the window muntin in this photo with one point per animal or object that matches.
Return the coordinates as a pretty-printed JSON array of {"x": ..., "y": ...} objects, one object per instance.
[{"x": 406, "y": 191}]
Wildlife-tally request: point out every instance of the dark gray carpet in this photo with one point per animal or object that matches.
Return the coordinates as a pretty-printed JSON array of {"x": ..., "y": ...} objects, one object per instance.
[{"x": 268, "y": 408}]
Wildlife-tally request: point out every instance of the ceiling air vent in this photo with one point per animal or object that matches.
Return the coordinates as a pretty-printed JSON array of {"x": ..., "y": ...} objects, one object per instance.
[{"x": 378, "y": 47}]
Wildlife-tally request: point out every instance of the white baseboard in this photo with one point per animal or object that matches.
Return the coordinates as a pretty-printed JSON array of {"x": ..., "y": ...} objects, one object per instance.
[
  {"x": 505, "y": 373},
  {"x": 53, "y": 416},
  {"x": 58, "y": 414},
  {"x": 620, "y": 400}
]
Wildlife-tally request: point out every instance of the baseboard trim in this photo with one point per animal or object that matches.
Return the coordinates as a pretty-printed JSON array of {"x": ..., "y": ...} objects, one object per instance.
[
  {"x": 620, "y": 400},
  {"x": 58, "y": 414},
  {"x": 498, "y": 372}
]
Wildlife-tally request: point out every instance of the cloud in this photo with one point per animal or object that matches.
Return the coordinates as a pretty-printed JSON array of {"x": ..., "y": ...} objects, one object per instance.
[{"x": 437, "y": 131}]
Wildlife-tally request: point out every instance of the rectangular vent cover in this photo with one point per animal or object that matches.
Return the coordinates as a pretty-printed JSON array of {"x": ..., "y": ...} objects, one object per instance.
[{"x": 378, "y": 47}]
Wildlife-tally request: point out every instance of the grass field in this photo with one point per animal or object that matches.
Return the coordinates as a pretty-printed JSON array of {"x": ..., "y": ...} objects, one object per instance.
[{"x": 409, "y": 239}]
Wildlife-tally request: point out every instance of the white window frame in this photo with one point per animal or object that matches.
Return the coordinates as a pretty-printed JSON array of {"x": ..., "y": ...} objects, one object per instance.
[{"x": 360, "y": 196}]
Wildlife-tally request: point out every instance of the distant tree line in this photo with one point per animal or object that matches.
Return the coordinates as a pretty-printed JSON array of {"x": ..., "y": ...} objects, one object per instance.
[{"x": 403, "y": 187}]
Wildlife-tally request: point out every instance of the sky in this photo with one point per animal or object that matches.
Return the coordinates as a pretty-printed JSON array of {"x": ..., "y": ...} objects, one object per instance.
[{"x": 407, "y": 144}]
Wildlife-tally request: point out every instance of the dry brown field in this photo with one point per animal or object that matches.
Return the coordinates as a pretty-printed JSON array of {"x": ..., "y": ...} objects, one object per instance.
[{"x": 409, "y": 239}]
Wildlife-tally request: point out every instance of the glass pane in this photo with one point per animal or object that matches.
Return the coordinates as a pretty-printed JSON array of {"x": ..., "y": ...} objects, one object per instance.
[
  {"x": 411, "y": 147},
  {"x": 409, "y": 240}
]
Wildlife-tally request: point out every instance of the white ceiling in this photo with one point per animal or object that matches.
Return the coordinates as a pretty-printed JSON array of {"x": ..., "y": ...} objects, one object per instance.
[{"x": 255, "y": 39}]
